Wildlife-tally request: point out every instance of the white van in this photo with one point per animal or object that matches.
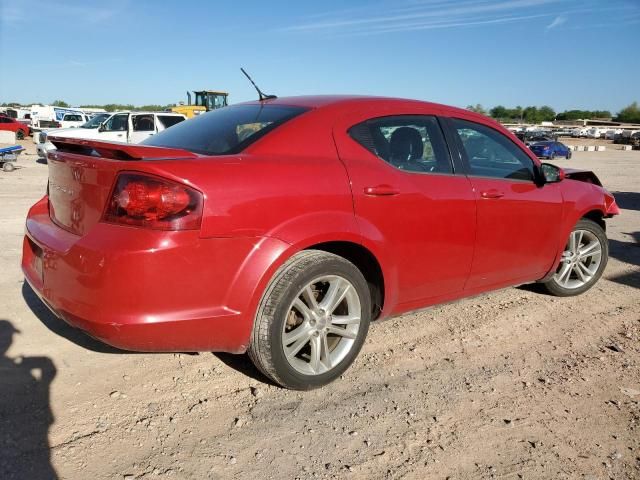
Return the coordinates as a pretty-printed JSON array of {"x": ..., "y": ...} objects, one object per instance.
[{"x": 124, "y": 127}]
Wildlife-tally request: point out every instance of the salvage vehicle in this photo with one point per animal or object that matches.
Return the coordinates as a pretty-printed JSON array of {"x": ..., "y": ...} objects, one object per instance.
[
  {"x": 49, "y": 116},
  {"x": 287, "y": 241},
  {"x": 550, "y": 150},
  {"x": 128, "y": 127},
  {"x": 12, "y": 125}
]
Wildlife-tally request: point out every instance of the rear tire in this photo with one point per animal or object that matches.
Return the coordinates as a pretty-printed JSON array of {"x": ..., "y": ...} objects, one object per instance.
[
  {"x": 20, "y": 135},
  {"x": 583, "y": 260},
  {"x": 8, "y": 167},
  {"x": 312, "y": 321}
]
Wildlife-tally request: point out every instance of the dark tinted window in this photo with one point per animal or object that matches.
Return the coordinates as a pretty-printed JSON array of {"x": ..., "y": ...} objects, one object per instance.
[
  {"x": 169, "y": 120},
  {"x": 226, "y": 130},
  {"x": 491, "y": 154},
  {"x": 409, "y": 142}
]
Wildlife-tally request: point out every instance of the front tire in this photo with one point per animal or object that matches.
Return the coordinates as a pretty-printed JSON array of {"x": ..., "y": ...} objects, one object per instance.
[
  {"x": 20, "y": 135},
  {"x": 583, "y": 260},
  {"x": 312, "y": 321}
]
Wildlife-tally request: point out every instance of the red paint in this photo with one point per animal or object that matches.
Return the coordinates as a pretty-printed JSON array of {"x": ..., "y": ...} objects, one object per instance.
[
  {"x": 12, "y": 125},
  {"x": 436, "y": 237}
]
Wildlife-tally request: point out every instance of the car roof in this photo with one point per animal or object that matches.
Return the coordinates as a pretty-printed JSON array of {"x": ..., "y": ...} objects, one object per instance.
[
  {"x": 320, "y": 101},
  {"x": 146, "y": 113}
]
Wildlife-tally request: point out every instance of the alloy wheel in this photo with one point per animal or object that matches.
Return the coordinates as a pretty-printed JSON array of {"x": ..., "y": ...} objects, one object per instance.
[
  {"x": 322, "y": 324},
  {"x": 580, "y": 260}
]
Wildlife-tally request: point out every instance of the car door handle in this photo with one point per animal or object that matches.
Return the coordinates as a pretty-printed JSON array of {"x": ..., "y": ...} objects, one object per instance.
[
  {"x": 492, "y": 193},
  {"x": 381, "y": 190}
]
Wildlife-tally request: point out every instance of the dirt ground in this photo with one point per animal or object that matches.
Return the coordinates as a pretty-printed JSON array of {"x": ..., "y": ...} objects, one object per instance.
[{"x": 513, "y": 384}]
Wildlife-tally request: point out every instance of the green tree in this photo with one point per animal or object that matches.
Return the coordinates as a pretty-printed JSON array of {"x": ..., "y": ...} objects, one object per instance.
[
  {"x": 546, "y": 113},
  {"x": 498, "y": 112},
  {"x": 629, "y": 114},
  {"x": 477, "y": 108},
  {"x": 60, "y": 103}
]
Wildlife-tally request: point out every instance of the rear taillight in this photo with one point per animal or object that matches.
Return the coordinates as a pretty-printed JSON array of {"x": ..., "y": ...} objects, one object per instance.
[{"x": 152, "y": 202}]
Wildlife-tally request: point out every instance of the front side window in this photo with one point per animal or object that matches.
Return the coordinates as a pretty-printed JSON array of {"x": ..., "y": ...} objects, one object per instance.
[
  {"x": 491, "y": 154},
  {"x": 95, "y": 121},
  {"x": 226, "y": 130},
  {"x": 72, "y": 118},
  {"x": 117, "y": 123},
  {"x": 413, "y": 143}
]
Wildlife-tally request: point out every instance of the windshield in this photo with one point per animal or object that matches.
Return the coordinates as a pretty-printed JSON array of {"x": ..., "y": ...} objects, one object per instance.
[
  {"x": 225, "y": 131},
  {"x": 95, "y": 121}
]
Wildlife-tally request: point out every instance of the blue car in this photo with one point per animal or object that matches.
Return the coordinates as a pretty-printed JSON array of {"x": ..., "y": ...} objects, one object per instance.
[{"x": 550, "y": 150}]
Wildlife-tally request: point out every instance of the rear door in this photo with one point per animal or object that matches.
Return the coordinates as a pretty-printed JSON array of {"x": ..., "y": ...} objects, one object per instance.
[
  {"x": 142, "y": 126},
  {"x": 517, "y": 229},
  {"x": 409, "y": 200}
]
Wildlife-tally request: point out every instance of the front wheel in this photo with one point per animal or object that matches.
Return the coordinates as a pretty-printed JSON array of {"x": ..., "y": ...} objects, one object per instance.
[
  {"x": 312, "y": 321},
  {"x": 20, "y": 135},
  {"x": 568, "y": 154},
  {"x": 583, "y": 260}
]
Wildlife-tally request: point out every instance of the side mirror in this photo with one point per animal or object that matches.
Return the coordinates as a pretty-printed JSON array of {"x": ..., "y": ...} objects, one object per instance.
[
  {"x": 551, "y": 174},
  {"x": 101, "y": 128}
]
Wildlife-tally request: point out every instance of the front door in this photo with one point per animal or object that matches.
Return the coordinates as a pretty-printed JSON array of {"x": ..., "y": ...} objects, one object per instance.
[
  {"x": 517, "y": 231},
  {"x": 408, "y": 198},
  {"x": 115, "y": 129}
]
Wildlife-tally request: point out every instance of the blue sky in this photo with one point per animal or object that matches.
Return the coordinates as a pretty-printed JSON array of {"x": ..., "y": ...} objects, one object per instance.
[{"x": 564, "y": 53}]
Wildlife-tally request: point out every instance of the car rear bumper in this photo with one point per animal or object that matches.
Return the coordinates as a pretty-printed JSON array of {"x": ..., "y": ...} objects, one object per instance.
[{"x": 144, "y": 290}]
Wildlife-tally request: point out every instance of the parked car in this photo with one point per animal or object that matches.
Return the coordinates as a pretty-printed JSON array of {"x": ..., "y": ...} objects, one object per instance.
[
  {"x": 128, "y": 127},
  {"x": 283, "y": 227},
  {"x": 48, "y": 116},
  {"x": 43, "y": 145},
  {"x": 579, "y": 132},
  {"x": 20, "y": 129},
  {"x": 550, "y": 149}
]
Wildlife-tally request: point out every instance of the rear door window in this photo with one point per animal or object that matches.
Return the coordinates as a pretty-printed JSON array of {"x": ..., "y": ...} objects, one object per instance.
[
  {"x": 142, "y": 123},
  {"x": 412, "y": 143},
  {"x": 226, "y": 130}
]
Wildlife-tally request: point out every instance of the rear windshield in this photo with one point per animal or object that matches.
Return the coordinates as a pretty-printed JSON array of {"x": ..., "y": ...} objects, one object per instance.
[{"x": 225, "y": 131}]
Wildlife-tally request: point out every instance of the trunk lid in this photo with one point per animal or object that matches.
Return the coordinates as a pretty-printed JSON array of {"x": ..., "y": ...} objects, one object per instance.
[{"x": 82, "y": 174}]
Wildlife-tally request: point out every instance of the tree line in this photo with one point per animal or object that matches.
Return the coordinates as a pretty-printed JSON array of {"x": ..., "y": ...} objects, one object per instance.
[{"x": 533, "y": 114}]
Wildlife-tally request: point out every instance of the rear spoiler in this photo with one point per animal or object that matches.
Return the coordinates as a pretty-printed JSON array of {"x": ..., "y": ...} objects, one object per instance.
[{"x": 117, "y": 151}]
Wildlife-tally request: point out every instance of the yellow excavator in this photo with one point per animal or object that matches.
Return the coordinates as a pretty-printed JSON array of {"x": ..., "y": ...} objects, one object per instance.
[{"x": 205, "y": 100}]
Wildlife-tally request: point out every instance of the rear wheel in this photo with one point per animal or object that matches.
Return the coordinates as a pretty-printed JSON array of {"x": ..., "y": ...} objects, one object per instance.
[
  {"x": 312, "y": 321},
  {"x": 552, "y": 156},
  {"x": 583, "y": 260},
  {"x": 20, "y": 135},
  {"x": 8, "y": 167}
]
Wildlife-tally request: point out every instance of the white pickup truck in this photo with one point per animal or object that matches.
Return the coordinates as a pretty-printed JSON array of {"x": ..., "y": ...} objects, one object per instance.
[{"x": 125, "y": 127}]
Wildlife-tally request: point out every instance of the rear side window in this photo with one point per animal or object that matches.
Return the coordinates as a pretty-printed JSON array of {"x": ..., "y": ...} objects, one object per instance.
[
  {"x": 491, "y": 154},
  {"x": 226, "y": 130},
  {"x": 72, "y": 118},
  {"x": 169, "y": 120},
  {"x": 412, "y": 143}
]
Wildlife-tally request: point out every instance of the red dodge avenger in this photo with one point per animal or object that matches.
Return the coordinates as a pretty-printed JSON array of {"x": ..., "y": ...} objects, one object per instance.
[{"x": 282, "y": 227}]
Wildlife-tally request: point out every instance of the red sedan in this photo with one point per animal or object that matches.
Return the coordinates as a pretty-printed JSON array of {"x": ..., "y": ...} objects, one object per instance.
[
  {"x": 20, "y": 129},
  {"x": 283, "y": 227}
]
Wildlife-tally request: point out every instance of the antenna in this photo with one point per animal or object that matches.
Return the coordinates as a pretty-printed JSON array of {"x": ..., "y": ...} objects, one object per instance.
[{"x": 261, "y": 96}]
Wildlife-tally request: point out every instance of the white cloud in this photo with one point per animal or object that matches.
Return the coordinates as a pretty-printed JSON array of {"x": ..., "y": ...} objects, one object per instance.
[
  {"x": 423, "y": 14},
  {"x": 559, "y": 20}
]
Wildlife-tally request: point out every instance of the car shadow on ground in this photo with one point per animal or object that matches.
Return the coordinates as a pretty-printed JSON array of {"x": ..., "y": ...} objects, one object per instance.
[
  {"x": 627, "y": 200},
  {"x": 59, "y": 327},
  {"x": 244, "y": 365},
  {"x": 25, "y": 412},
  {"x": 628, "y": 252}
]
